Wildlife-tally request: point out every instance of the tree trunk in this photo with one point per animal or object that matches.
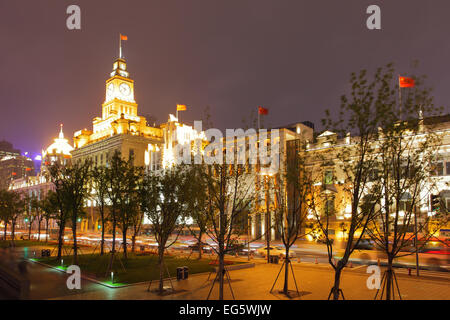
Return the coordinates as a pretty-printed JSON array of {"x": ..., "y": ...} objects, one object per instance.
[
  {"x": 74, "y": 233},
  {"x": 6, "y": 226},
  {"x": 39, "y": 230},
  {"x": 337, "y": 281},
  {"x": 133, "y": 242},
  {"x": 286, "y": 273},
  {"x": 221, "y": 270},
  {"x": 389, "y": 279},
  {"x": 124, "y": 242},
  {"x": 13, "y": 230},
  {"x": 113, "y": 249},
  {"x": 114, "y": 234},
  {"x": 29, "y": 230},
  {"x": 161, "y": 267},
  {"x": 46, "y": 230},
  {"x": 200, "y": 245},
  {"x": 102, "y": 242},
  {"x": 60, "y": 238}
]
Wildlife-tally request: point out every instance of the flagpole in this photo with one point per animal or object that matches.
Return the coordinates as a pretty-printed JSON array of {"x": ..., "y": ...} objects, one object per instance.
[
  {"x": 399, "y": 98},
  {"x": 120, "y": 45},
  {"x": 259, "y": 121}
]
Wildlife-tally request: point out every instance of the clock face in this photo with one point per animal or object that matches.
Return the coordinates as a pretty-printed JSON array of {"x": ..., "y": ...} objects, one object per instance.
[
  {"x": 110, "y": 88},
  {"x": 124, "y": 89}
]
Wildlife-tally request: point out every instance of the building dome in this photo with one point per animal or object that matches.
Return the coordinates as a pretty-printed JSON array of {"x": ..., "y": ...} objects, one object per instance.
[{"x": 60, "y": 147}]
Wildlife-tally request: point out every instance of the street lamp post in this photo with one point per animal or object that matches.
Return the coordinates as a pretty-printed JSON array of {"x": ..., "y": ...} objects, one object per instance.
[
  {"x": 248, "y": 236},
  {"x": 267, "y": 219},
  {"x": 415, "y": 242}
]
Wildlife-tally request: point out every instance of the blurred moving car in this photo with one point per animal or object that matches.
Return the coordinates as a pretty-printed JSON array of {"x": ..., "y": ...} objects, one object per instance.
[
  {"x": 364, "y": 244},
  {"x": 196, "y": 246},
  {"x": 275, "y": 251}
]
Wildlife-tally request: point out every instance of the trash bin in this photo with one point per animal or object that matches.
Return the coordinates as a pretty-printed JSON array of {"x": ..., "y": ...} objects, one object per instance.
[
  {"x": 45, "y": 253},
  {"x": 185, "y": 272},
  {"x": 180, "y": 273},
  {"x": 274, "y": 259}
]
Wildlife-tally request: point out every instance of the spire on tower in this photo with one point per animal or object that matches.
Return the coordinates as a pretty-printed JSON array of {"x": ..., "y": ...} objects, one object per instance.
[{"x": 61, "y": 133}]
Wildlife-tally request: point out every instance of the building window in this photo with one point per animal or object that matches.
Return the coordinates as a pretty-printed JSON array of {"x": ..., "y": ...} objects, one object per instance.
[
  {"x": 131, "y": 156},
  {"x": 438, "y": 169},
  {"x": 328, "y": 177},
  {"x": 405, "y": 206},
  {"x": 373, "y": 175},
  {"x": 329, "y": 206}
]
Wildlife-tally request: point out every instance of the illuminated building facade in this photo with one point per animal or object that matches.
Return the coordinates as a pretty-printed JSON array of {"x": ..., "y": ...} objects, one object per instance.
[
  {"x": 120, "y": 128},
  {"x": 13, "y": 165},
  {"x": 331, "y": 185},
  {"x": 37, "y": 186}
]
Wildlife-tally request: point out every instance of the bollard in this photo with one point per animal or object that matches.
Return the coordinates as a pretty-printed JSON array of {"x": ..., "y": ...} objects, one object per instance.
[
  {"x": 409, "y": 271},
  {"x": 298, "y": 260},
  {"x": 351, "y": 264},
  {"x": 378, "y": 261},
  {"x": 316, "y": 261}
]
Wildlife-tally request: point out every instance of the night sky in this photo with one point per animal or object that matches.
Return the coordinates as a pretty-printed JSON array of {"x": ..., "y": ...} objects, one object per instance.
[{"x": 293, "y": 57}]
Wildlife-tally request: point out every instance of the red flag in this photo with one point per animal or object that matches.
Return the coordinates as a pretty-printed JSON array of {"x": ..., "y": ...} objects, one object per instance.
[
  {"x": 123, "y": 38},
  {"x": 262, "y": 110},
  {"x": 405, "y": 82}
]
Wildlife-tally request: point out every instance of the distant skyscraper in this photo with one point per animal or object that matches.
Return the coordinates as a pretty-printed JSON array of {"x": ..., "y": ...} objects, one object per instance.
[{"x": 13, "y": 165}]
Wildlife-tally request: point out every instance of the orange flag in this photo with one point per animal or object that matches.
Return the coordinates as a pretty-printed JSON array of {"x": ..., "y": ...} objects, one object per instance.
[
  {"x": 181, "y": 107},
  {"x": 123, "y": 38},
  {"x": 405, "y": 82}
]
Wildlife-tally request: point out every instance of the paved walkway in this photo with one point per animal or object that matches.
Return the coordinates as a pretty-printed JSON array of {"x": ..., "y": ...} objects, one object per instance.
[{"x": 314, "y": 281}]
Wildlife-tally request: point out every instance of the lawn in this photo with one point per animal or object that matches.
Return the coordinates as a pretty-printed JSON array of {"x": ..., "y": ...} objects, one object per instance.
[
  {"x": 24, "y": 243},
  {"x": 138, "y": 268}
]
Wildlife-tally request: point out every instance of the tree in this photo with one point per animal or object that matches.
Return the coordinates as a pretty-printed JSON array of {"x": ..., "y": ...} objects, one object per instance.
[
  {"x": 128, "y": 202},
  {"x": 292, "y": 192},
  {"x": 71, "y": 185},
  {"x": 199, "y": 206},
  {"x": 407, "y": 148},
  {"x": 11, "y": 208},
  {"x": 100, "y": 186},
  {"x": 37, "y": 208},
  {"x": 4, "y": 211},
  {"x": 163, "y": 198},
  {"x": 359, "y": 115},
  {"x": 31, "y": 214},
  {"x": 62, "y": 213},
  {"x": 116, "y": 172},
  {"x": 230, "y": 193},
  {"x": 136, "y": 224},
  {"x": 49, "y": 207}
]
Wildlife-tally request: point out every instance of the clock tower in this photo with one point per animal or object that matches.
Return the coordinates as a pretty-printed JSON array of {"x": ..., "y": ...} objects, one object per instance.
[
  {"x": 119, "y": 128},
  {"x": 119, "y": 97}
]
